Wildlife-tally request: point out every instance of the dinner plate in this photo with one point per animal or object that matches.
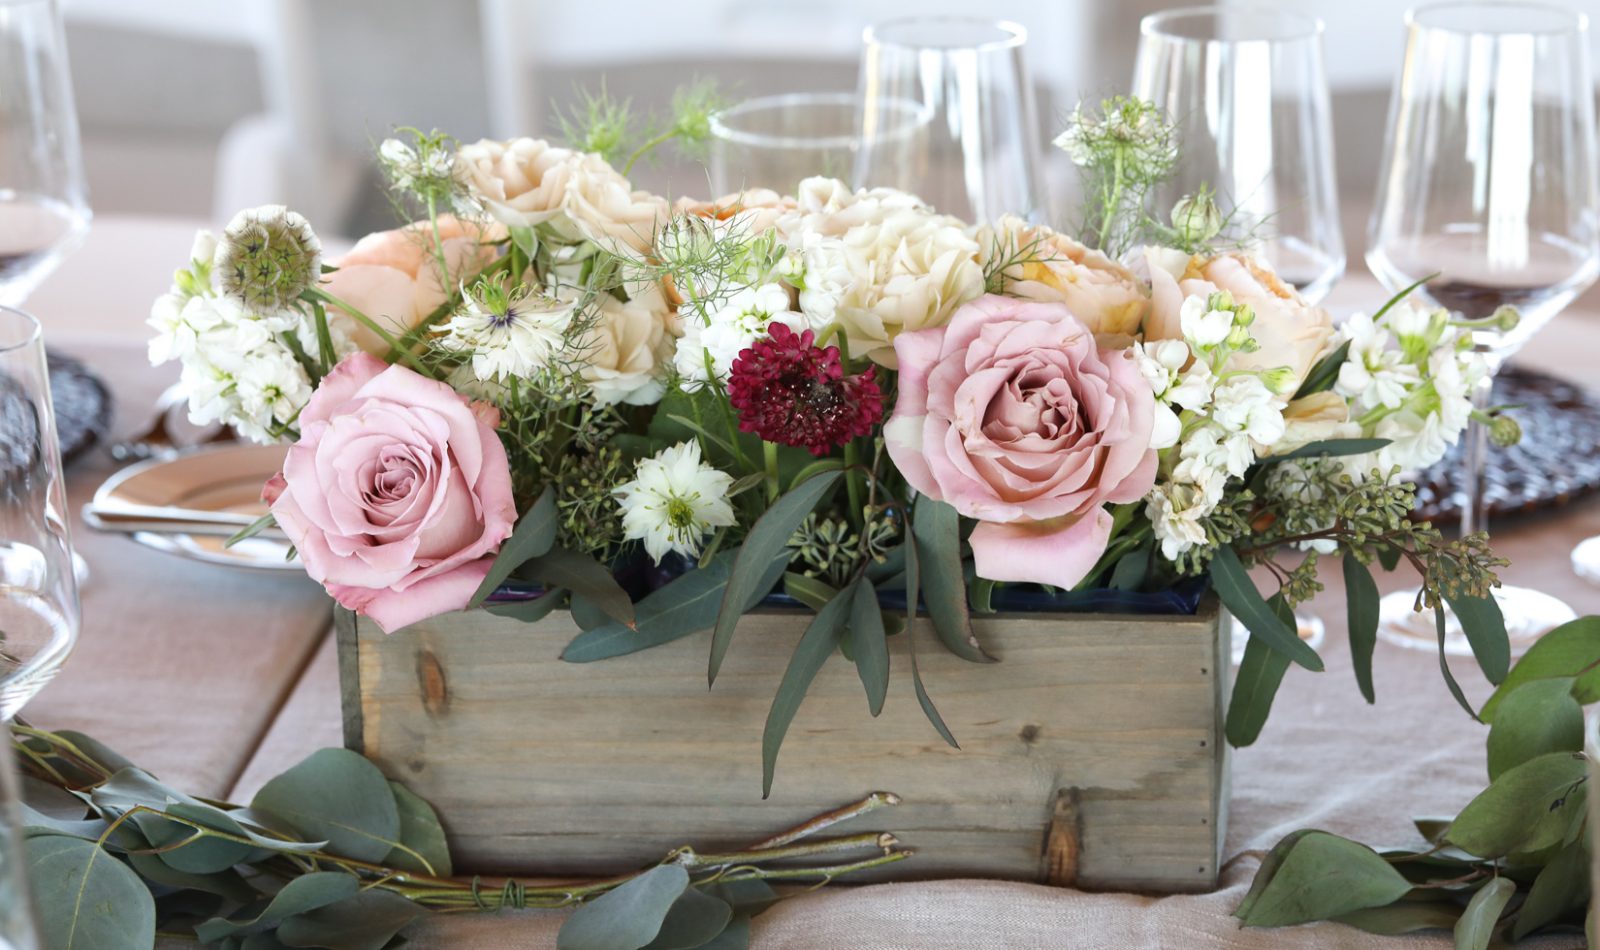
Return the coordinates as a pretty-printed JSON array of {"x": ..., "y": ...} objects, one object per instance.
[{"x": 191, "y": 504}]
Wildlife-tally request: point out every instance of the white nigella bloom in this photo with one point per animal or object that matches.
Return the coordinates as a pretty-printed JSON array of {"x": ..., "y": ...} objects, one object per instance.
[
  {"x": 1375, "y": 373},
  {"x": 1203, "y": 326},
  {"x": 733, "y": 326},
  {"x": 673, "y": 501},
  {"x": 507, "y": 332},
  {"x": 267, "y": 257}
]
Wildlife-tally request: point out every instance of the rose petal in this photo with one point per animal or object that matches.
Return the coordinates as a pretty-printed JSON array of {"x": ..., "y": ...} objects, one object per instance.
[{"x": 1041, "y": 554}]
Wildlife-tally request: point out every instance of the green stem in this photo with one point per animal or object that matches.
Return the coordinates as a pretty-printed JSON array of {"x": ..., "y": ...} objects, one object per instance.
[
  {"x": 405, "y": 355},
  {"x": 769, "y": 454},
  {"x": 852, "y": 481},
  {"x": 1108, "y": 215},
  {"x": 642, "y": 150},
  {"x": 438, "y": 242}
]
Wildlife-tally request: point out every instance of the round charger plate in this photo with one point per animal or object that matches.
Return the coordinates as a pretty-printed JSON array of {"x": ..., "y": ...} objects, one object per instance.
[
  {"x": 1557, "y": 460},
  {"x": 82, "y": 406}
]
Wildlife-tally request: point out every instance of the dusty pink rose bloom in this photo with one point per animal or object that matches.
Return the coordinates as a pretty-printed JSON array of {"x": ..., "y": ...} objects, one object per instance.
[
  {"x": 1014, "y": 416},
  {"x": 393, "y": 276},
  {"x": 397, "y": 494}
]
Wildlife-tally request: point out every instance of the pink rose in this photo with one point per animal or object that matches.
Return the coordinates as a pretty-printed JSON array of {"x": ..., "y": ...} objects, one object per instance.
[
  {"x": 397, "y": 494},
  {"x": 393, "y": 276},
  {"x": 1014, "y": 416}
]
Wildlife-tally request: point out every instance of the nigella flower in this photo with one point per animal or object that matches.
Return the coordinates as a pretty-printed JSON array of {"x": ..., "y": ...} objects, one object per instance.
[
  {"x": 790, "y": 391},
  {"x": 507, "y": 331},
  {"x": 673, "y": 500},
  {"x": 267, "y": 257}
]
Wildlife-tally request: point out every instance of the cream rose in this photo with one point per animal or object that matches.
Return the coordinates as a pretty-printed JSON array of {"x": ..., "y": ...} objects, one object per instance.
[
  {"x": 1105, "y": 296},
  {"x": 755, "y": 211},
  {"x": 527, "y": 182},
  {"x": 626, "y": 351},
  {"x": 1314, "y": 418},
  {"x": 1289, "y": 331}
]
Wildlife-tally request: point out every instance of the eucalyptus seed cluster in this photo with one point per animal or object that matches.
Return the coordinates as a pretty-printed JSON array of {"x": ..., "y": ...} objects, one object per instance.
[
  {"x": 591, "y": 521},
  {"x": 829, "y": 549}
]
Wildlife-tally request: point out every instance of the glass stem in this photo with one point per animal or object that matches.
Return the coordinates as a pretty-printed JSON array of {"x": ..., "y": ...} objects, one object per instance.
[{"x": 1474, "y": 507}]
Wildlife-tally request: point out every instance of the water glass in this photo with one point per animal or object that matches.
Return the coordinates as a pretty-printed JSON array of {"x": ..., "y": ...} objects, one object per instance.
[
  {"x": 980, "y": 154},
  {"x": 17, "y": 928},
  {"x": 44, "y": 204},
  {"x": 1247, "y": 93},
  {"x": 775, "y": 141},
  {"x": 38, "y": 590}
]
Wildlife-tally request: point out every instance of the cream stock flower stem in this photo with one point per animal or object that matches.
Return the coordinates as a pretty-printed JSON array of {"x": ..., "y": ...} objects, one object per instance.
[{"x": 409, "y": 358}]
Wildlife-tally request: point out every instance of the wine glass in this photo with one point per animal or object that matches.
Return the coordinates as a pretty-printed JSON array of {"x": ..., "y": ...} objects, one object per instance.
[
  {"x": 775, "y": 141},
  {"x": 18, "y": 930},
  {"x": 38, "y": 588},
  {"x": 1488, "y": 192},
  {"x": 44, "y": 207},
  {"x": 1246, "y": 91},
  {"x": 980, "y": 157}
]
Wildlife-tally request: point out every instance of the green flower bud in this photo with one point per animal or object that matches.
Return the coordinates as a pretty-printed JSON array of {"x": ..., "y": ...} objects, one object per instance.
[
  {"x": 1239, "y": 338},
  {"x": 1282, "y": 380},
  {"x": 1244, "y": 315},
  {"x": 1505, "y": 431},
  {"x": 1196, "y": 218},
  {"x": 1505, "y": 318}
]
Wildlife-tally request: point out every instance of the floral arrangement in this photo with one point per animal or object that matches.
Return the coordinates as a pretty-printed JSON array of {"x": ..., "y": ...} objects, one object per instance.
[
  {"x": 1514, "y": 863},
  {"x": 551, "y": 389},
  {"x": 333, "y": 854}
]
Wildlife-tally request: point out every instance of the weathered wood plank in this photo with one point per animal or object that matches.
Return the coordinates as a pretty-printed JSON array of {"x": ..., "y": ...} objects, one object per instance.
[{"x": 536, "y": 765}]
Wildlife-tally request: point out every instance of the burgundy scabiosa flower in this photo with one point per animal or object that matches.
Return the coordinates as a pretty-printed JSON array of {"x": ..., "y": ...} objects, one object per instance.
[{"x": 790, "y": 391}]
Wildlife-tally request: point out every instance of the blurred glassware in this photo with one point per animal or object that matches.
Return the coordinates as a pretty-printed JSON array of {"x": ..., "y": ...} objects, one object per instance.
[
  {"x": 44, "y": 204},
  {"x": 38, "y": 590},
  {"x": 980, "y": 154},
  {"x": 775, "y": 141},
  {"x": 1246, "y": 91},
  {"x": 1488, "y": 192},
  {"x": 17, "y": 928}
]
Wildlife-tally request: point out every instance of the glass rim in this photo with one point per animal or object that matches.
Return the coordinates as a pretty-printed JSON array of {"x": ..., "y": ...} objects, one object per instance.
[
  {"x": 1302, "y": 26},
  {"x": 1016, "y": 35},
  {"x": 1577, "y": 21},
  {"x": 920, "y": 113},
  {"x": 31, "y": 329}
]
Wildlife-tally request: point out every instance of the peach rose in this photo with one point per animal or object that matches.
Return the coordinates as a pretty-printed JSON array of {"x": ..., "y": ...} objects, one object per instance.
[
  {"x": 626, "y": 351},
  {"x": 757, "y": 209},
  {"x": 1015, "y": 417},
  {"x": 1106, "y": 296},
  {"x": 393, "y": 276},
  {"x": 1290, "y": 331},
  {"x": 528, "y": 182}
]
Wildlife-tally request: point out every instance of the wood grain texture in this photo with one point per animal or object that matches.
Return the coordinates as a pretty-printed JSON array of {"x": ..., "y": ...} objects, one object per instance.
[{"x": 540, "y": 766}]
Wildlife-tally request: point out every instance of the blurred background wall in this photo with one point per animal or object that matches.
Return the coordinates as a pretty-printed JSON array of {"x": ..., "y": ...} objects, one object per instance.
[{"x": 197, "y": 107}]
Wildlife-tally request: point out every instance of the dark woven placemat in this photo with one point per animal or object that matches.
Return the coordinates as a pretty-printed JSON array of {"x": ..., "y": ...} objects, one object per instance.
[
  {"x": 1557, "y": 460},
  {"x": 82, "y": 404}
]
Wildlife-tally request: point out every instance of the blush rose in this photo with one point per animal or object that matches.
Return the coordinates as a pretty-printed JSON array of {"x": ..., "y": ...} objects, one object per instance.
[{"x": 1013, "y": 415}]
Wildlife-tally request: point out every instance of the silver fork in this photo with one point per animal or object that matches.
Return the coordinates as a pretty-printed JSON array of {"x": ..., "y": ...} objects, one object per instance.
[{"x": 157, "y": 438}]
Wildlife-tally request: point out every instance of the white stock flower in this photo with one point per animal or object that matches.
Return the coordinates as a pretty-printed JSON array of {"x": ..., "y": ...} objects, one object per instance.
[
  {"x": 508, "y": 336},
  {"x": 1375, "y": 373},
  {"x": 1415, "y": 441},
  {"x": 1209, "y": 455},
  {"x": 1202, "y": 326},
  {"x": 737, "y": 323},
  {"x": 1176, "y": 510},
  {"x": 673, "y": 501},
  {"x": 1243, "y": 404}
]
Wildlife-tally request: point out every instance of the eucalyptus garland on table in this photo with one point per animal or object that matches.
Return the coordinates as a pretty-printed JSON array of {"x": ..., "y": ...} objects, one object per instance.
[
  {"x": 1515, "y": 862},
  {"x": 332, "y": 854}
]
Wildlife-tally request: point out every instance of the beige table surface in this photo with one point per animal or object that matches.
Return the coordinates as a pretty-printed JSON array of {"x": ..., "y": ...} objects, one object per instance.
[{"x": 216, "y": 679}]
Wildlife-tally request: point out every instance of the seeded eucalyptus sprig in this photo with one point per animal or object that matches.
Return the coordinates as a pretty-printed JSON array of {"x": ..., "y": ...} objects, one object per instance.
[{"x": 333, "y": 854}]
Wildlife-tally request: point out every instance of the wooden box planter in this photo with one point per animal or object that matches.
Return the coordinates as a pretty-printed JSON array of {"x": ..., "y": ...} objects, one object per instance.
[{"x": 1092, "y": 755}]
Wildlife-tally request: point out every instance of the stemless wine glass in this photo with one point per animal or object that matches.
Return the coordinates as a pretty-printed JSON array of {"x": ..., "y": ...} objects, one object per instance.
[
  {"x": 44, "y": 207},
  {"x": 38, "y": 589},
  {"x": 1246, "y": 91},
  {"x": 775, "y": 141},
  {"x": 1488, "y": 191},
  {"x": 981, "y": 154}
]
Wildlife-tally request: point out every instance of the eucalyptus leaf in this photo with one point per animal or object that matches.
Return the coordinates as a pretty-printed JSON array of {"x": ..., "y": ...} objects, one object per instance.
[
  {"x": 1254, "y": 687},
  {"x": 586, "y": 578},
  {"x": 530, "y": 611},
  {"x": 338, "y": 796},
  {"x": 1444, "y": 665},
  {"x": 819, "y": 640},
  {"x": 101, "y": 753},
  {"x": 585, "y": 614},
  {"x": 89, "y": 829},
  {"x": 1132, "y": 568},
  {"x": 534, "y": 534},
  {"x": 1482, "y": 917},
  {"x": 768, "y": 539},
  {"x": 1560, "y": 890},
  {"x": 1239, "y": 595},
  {"x": 1361, "y": 602},
  {"x": 1325, "y": 373},
  {"x": 913, "y": 580},
  {"x": 203, "y": 853},
  {"x": 305, "y": 893},
  {"x": 808, "y": 590},
  {"x": 735, "y": 937},
  {"x": 687, "y": 605},
  {"x": 1485, "y": 629},
  {"x": 628, "y": 917},
  {"x": 1332, "y": 448},
  {"x": 695, "y": 919},
  {"x": 226, "y": 884},
  {"x": 870, "y": 644},
  {"x": 1324, "y": 876},
  {"x": 86, "y": 899},
  {"x": 365, "y": 921},
  {"x": 1268, "y": 869},
  {"x": 1403, "y": 918},
  {"x": 1389, "y": 556},
  {"x": 936, "y": 531},
  {"x": 747, "y": 896},
  {"x": 1535, "y": 719},
  {"x": 1526, "y": 808},
  {"x": 1572, "y": 649},
  {"x": 422, "y": 835}
]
